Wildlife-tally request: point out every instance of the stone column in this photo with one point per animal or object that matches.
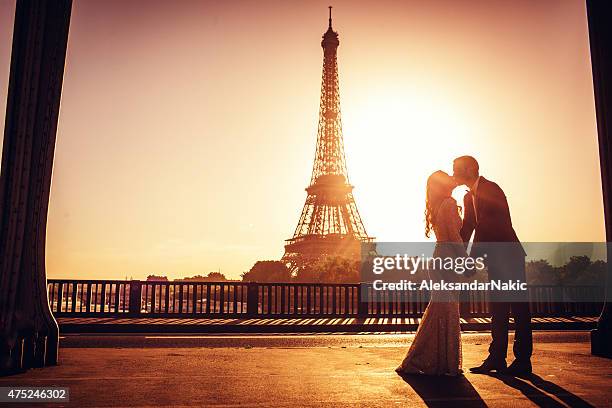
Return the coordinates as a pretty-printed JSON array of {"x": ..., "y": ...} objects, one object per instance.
[
  {"x": 28, "y": 331},
  {"x": 600, "y": 35}
]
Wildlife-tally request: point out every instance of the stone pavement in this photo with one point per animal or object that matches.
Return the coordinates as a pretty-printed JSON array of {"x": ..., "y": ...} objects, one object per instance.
[{"x": 310, "y": 370}]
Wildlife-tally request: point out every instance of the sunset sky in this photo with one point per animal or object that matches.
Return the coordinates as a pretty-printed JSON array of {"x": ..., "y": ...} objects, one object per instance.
[{"x": 187, "y": 128}]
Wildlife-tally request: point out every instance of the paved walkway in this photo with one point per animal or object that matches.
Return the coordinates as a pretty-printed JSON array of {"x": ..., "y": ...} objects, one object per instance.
[{"x": 309, "y": 370}]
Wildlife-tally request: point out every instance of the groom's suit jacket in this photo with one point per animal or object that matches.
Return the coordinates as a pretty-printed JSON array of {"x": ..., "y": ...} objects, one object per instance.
[{"x": 488, "y": 217}]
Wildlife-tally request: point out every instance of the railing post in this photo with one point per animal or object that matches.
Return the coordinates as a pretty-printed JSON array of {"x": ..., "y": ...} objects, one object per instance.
[
  {"x": 362, "y": 308},
  {"x": 135, "y": 297},
  {"x": 465, "y": 304},
  {"x": 60, "y": 290},
  {"x": 252, "y": 299},
  {"x": 180, "y": 298}
]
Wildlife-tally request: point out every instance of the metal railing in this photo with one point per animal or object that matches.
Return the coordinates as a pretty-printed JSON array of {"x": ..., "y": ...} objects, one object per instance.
[{"x": 90, "y": 298}]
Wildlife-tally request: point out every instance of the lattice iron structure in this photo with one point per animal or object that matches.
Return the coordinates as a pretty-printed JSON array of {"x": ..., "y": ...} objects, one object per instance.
[{"x": 330, "y": 223}]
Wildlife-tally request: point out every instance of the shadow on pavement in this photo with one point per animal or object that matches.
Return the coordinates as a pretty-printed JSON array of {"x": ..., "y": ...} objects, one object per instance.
[
  {"x": 532, "y": 387},
  {"x": 443, "y": 391}
]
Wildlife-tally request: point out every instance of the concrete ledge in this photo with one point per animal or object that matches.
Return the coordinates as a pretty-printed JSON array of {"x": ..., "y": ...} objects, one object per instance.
[{"x": 348, "y": 325}]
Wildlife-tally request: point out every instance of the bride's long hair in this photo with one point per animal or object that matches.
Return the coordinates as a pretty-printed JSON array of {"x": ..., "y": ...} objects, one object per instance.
[{"x": 439, "y": 187}]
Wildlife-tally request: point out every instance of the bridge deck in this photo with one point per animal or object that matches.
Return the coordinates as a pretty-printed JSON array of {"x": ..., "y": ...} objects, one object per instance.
[
  {"x": 349, "y": 325},
  {"x": 308, "y": 371}
]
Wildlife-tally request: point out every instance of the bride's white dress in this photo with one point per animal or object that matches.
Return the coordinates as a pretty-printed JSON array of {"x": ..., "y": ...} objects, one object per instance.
[{"x": 436, "y": 349}]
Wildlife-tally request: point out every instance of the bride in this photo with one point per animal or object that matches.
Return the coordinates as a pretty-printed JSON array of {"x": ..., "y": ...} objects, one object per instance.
[{"x": 436, "y": 349}]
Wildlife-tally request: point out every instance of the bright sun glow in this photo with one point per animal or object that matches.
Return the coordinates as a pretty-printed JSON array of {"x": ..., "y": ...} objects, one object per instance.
[{"x": 394, "y": 141}]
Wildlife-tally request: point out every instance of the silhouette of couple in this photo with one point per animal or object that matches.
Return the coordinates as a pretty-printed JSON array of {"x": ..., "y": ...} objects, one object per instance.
[{"x": 436, "y": 349}]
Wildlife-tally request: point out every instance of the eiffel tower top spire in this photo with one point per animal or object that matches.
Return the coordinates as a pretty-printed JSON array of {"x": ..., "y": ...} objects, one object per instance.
[
  {"x": 330, "y": 37},
  {"x": 329, "y": 157}
]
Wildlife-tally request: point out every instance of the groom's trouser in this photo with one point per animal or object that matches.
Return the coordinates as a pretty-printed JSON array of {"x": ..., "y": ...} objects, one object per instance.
[
  {"x": 500, "y": 307},
  {"x": 523, "y": 343}
]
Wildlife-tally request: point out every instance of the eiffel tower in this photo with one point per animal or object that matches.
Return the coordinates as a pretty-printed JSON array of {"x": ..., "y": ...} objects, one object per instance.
[{"x": 330, "y": 223}]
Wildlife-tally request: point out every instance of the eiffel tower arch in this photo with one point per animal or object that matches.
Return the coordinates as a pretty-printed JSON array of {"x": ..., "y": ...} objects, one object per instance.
[{"x": 330, "y": 223}]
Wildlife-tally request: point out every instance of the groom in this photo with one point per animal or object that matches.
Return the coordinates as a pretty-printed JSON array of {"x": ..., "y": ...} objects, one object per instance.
[{"x": 486, "y": 212}]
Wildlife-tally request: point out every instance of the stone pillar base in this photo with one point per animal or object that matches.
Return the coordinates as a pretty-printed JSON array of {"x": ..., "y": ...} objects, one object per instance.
[{"x": 601, "y": 342}]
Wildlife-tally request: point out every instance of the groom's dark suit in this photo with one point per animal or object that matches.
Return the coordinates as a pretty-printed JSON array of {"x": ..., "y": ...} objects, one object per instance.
[{"x": 487, "y": 213}]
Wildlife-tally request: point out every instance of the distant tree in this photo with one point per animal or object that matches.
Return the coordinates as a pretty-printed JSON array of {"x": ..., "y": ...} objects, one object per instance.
[
  {"x": 211, "y": 277},
  {"x": 593, "y": 274},
  {"x": 541, "y": 272},
  {"x": 216, "y": 276},
  {"x": 156, "y": 278},
  {"x": 268, "y": 271},
  {"x": 575, "y": 267},
  {"x": 571, "y": 272},
  {"x": 311, "y": 272},
  {"x": 196, "y": 278},
  {"x": 599, "y": 269},
  {"x": 579, "y": 270},
  {"x": 331, "y": 269}
]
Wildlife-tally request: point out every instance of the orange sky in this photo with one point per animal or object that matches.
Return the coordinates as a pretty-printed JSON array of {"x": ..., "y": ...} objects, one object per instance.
[{"x": 187, "y": 129}]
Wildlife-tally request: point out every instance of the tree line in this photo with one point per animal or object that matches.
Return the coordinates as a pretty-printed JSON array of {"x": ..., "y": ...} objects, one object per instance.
[{"x": 578, "y": 270}]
